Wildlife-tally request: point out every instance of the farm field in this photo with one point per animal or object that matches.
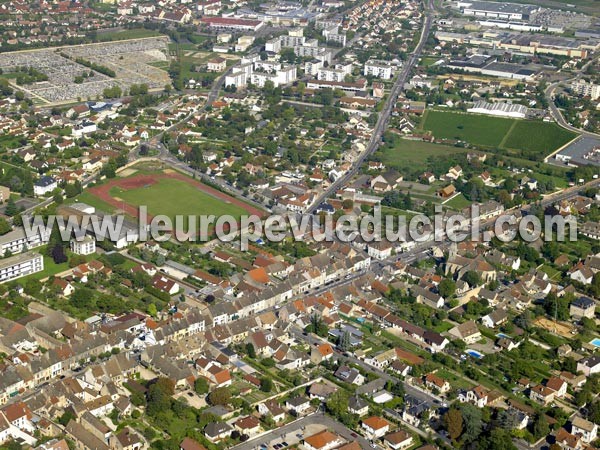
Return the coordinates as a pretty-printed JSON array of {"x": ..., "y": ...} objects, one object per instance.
[
  {"x": 537, "y": 137},
  {"x": 408, "y": 154},
  {"x": 473, "y": 128},
  {"x": 530, "y": 139}
]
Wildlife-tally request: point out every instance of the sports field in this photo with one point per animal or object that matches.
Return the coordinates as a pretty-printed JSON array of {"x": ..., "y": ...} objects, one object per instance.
[
  {"x": 171, "y": 197},
  {"x": 530, "y": 139},
  {"x": 168, "y": 193}
]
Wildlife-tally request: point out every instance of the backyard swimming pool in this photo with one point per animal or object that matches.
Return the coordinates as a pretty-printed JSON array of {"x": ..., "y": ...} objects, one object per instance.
[{"x": 474, "y": 354}]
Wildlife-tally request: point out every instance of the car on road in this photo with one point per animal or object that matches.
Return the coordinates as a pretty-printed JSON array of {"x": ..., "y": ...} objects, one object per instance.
[{"x": 354, "y": 435}]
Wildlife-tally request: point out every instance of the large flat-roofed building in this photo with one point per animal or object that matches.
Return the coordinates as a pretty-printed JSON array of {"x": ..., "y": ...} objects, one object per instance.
[
  {"x": 229, "y": 23},
  {"x": 524, "y": 42},
  {"x": 499, "y": 109},
  {"x": 17, "y": 241},
  {"x": 487, "y": 65},
  {"x": 20, "y": 265},
  {"x": 497, "y": 10}
]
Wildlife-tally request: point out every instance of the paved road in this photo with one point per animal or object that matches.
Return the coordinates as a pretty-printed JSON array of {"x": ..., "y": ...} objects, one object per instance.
[
  {"x": 384, "y": 115},
  {"x": 422, "y": 250},
  {"x": 556, "y": 113},
  {"x": 312, "y": 339},
  {"x": 295, "y": 427}
]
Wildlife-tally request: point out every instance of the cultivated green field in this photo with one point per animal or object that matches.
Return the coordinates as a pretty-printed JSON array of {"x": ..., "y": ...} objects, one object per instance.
[
  {"x": 173, "y": 197},
  {"x": 529, "y": 139},
  {"x": 537, "y": 137},
  {"x": 409, "y": 154},
  {"x": 473, "y": 128}
]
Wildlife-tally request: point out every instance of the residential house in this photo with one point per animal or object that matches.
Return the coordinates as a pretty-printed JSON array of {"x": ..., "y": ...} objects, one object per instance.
[
  {"x": 589, "y": 366},
  {"x": 432, "y": 381},
  {"x": 583, "y": 307},
  {"x": 398, "y": 440},
  {"x": 324, "y": 440},
  {"x": 542, "y": 394},
  {"x": 467, "y": 331},
  {"x": 321, "y": 353},
  {"x": 495, "y": 318},
  {"x": 216, "y": 431},
  {"x": 588, "y": 431},
  {"x": 273, "y": 409},
  {"x": 375, "y": 427},
  {"x": 298, "y": 405},
  {"x": 248, "y": 425},
  {"x": 478, "y": 396},
  {"x": 358, "y": 406}
]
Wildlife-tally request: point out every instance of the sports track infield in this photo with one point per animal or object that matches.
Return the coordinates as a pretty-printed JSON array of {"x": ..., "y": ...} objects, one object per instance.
[{"x": 169, "y": 194}]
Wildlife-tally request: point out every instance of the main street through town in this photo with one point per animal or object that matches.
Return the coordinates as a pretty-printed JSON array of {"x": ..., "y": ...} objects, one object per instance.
[{"x": 385, "y": 114}]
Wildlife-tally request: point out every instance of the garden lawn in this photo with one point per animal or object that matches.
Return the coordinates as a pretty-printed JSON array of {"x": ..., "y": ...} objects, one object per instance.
[{"x": 458, "y": 203}]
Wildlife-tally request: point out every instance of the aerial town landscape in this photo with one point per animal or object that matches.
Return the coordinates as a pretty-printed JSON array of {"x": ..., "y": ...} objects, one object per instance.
[{"x": 471, "y": 116}]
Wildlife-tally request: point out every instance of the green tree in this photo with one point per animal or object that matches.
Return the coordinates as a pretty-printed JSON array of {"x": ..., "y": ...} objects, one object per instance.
[
  {"x": 472, "y": 422},
  {"x": 220, "y": 396},
  {"x": 472, "y": 278},
  {"x": 83, "y": 298},
  {"x": 453, "y": 422},
  {"x": 540, "y": 426},
  {"x": 343, "y": 341},
  {"x": 250, "y": 351},
  {"x": 337, "y": 403},
  {"x": 498, "y": 439},
  {"x": 152, "y": 309},
  {"x": 201, "y": 386},
  {"x": 159, "y": 396},
  {"x": 11, "y": 208},
  {"x": 266, "y": 384},
  {"x": 66, "y": 417},
  {"x": 447, "y": 288},
  {"x": 4, "y": 226},
  {"x": 58, "y": 254}
]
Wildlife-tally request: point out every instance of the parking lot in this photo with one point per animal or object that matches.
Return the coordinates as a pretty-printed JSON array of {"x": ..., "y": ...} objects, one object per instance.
[{"x": 290, "y": 438}]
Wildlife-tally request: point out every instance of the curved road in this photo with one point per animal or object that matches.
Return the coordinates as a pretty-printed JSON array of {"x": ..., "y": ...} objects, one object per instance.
[{"x": 556, "y": 113}]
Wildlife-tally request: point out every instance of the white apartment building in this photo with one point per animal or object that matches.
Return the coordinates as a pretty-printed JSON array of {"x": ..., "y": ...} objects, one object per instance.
[
  {"x": 334, "y": 73},
  {"x": 585, "y": 89},
  {"x": 332, "y": 34},
  {"x": 378, "y": 69},
  {"x": 85, "y": 246},
  {"x": 17, "y": 241},
  {"x": 20, "y": 265},
  {"x": 44, "y": 186},
  {"x": 312, "y": 67},
  {"x": 259, "y": 72}
]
